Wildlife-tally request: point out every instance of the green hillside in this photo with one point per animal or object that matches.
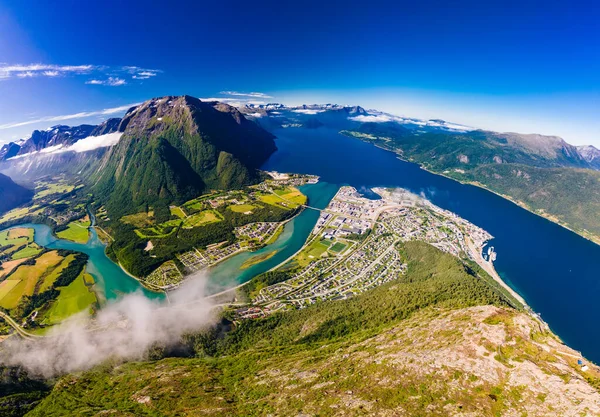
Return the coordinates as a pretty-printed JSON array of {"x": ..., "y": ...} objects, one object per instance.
[
  {"x": 174, "y": 148},
  {"x": 544, "y": 174}
]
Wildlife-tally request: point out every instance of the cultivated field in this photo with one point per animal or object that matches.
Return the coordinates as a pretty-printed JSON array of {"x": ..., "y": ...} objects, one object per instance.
[
  {"x": 73, "y": 298},
  {"x": 27, "y": 277},
  {"x": 77, "y": 231}
]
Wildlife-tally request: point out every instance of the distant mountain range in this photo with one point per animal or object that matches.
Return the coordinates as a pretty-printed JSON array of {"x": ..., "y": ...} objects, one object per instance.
[
  {"x": 552, "y": 149},
  {"x": 55, "y": 137},
  {"x": 171, "y": 148}
]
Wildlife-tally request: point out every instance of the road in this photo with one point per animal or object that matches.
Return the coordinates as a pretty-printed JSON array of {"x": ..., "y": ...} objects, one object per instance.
[{"x": 21, "y": 332}]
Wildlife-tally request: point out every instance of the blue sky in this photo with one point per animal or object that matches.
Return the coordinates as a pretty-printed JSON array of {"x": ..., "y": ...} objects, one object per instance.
[{"x": 526, "y": 66}]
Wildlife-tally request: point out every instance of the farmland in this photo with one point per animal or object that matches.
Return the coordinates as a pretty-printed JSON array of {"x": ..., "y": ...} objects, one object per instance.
[
  {"x": 17, "y": 244},
  {"x": 242, "y": 208},
  {"x": 74, "y": 298},
  {"x": 53, "y": 276},
  {"x": 76, "y": 231}
]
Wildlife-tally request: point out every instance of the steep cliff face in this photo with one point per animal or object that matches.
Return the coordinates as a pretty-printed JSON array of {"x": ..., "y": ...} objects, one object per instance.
[{"x": 174, "y": 148}]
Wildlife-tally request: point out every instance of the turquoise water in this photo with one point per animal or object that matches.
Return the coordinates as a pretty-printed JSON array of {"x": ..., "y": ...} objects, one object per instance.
[
  {"x": 111, "y": 280},
  {"x": 228, "y": 274}
]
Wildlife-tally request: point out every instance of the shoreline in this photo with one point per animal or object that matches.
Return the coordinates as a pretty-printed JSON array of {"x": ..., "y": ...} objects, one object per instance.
[{"x": 589, "y": 236}]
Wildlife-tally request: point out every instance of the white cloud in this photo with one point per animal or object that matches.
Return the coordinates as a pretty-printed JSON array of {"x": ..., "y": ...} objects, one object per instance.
[
  {"x": 308, "y": 111},
  {"x": 379, "y": 118},
  {"x": 84, "y": 145},
  {"x": 252, "y": 94},
  {"x": 43, "y": 70},
  {"x": 110, "y": 81},
  {"x": 81, "y": 115},
  {"x": 95, "y": 142},
  {"x": 116, "y": 75},
  {"x": 144, "y": 75},
  {"x": 138, "y": 73}
]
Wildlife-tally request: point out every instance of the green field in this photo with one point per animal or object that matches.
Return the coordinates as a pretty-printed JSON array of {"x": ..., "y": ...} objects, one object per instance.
[
  {"x": 20, "y": 212},
  {"x": 16, "y": 237},
  {"x": 193, "y": 206},
  {"x": 312, "y": 252},
  {"x": 291, "y": 194},
  {"x": 77, "y": 231},
  {"x": 287, "y": 197},
  {"x": 156, "y": 231},
  {"x": 6, "y": 286},
  {"x": 177, "y": 211},
  {"x": 140, "y": 220},
  {"x": 51, "y": 277},
  {"x": 27, "y": 252},
  {"x": 73, "y": 298},
  {"x": 160, "y": 230},
  {"x": 204, "y": 217},
  {"x": 241, "y": 208},
  {"x": 44, "y": 189},
  {"x": 28, "y": 277},
  {"x": 338, "y": 247}
]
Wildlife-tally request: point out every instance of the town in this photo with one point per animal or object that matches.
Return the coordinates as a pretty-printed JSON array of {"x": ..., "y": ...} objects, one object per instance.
[{"x": 355, "y": 246}]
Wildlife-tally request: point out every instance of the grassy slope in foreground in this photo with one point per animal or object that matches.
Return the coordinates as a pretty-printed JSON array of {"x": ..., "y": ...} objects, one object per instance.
[{"x": 437, "y": 341}]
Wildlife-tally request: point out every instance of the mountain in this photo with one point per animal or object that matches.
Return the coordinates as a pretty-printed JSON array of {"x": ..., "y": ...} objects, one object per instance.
[
  {"x": 591, "y": 154},
  {"x": 59, "y": 135},
  {"x": 106, "y": 127},
  {"x": 53, "y": 136},
  {"x": 10, "y": 150},
  {"x": 544, "y": 174},
  {"x": 174, "y": 148},
  {"x": 11, "y": 194}
]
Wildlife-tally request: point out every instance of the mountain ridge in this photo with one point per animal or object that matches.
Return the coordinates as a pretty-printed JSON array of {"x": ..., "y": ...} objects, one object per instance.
[{"x": 174, "y": 148}]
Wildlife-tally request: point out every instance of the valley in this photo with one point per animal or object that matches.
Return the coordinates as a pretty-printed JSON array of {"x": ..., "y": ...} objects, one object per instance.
[{"x": 355, "y": 244}]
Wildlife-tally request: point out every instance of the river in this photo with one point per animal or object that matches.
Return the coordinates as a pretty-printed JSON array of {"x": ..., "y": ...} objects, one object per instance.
[{"x": 111, "y": 280}]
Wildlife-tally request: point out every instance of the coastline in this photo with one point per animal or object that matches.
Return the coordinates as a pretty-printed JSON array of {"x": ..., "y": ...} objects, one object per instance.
[
  {"x": 588, "y": 236},
  {"x": 142, "y": 283}
]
